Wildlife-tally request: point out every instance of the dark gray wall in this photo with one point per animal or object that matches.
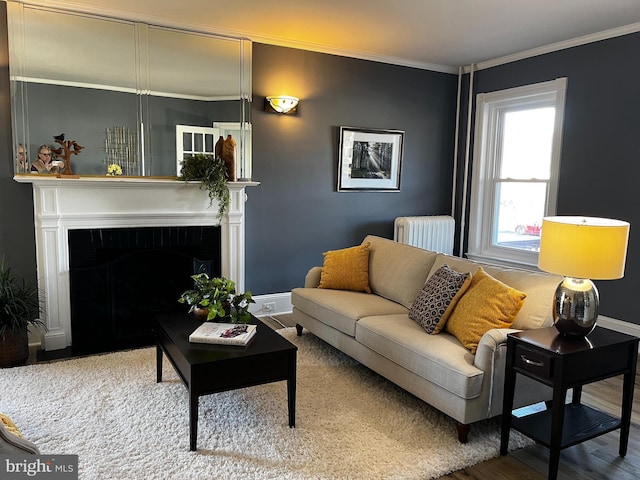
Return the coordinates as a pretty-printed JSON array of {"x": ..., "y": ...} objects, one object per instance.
[
  {"x": 599, "y": 170},
  {"x": 296, "y": 213}
]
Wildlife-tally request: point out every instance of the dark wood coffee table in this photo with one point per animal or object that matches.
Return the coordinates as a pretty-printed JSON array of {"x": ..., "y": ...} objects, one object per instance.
[{"x": 207, "y": 369}]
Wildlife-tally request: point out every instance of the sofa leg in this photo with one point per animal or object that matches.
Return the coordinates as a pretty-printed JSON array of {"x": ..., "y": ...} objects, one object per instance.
[
  {"x": 299, "y": 329},
  {"x": 463, "y": 432}
]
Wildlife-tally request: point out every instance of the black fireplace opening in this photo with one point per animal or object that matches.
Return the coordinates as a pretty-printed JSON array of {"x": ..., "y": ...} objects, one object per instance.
[{"x": 121, "y": 278}]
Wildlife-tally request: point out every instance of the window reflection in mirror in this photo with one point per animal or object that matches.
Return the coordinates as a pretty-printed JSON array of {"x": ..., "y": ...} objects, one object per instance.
[{"x": 121, "y": 88}]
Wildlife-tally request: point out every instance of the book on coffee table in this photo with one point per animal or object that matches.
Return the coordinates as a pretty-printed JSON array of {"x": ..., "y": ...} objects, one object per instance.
[{"x": 223, "y": 333}]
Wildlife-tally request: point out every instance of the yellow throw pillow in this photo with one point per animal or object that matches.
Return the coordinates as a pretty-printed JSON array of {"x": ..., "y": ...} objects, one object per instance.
[
  {"x": 487, "y": 304},
  {"x": 346, "y": 269}
]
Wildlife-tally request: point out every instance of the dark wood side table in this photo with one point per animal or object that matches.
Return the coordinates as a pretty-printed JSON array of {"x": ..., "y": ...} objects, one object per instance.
[{"x": 562, "y": 363}]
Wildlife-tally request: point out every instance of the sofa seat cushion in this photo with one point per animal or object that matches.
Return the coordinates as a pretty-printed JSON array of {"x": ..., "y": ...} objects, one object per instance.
[
  {"x": 341, "y": 309},
  {"x": 440, "y": 359}
]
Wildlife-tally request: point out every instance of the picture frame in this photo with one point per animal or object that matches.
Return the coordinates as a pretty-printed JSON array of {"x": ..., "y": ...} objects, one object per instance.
[{"x": 370, "y": 159}]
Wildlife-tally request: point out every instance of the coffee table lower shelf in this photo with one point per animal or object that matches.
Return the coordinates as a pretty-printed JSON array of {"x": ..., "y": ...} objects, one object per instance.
[{"x": 581, "y": 423}]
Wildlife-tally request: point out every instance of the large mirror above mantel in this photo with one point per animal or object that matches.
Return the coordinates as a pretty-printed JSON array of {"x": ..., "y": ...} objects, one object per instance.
[{"x": 137, "y": 95}]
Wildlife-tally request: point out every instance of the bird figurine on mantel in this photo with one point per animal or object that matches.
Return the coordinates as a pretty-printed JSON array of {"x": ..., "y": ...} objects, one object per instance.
[{"x": 68, "y": 148}]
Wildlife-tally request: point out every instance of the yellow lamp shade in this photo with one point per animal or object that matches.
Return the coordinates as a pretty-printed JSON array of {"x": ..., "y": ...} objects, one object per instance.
[{"x": 584, "y": 247}]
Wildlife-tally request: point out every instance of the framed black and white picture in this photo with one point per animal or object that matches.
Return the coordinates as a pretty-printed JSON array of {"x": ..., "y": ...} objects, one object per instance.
[{"x": 370, "y": 159}]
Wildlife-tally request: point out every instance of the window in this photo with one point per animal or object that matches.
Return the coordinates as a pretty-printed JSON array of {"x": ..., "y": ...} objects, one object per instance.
[{"x": 515, "y": 172}]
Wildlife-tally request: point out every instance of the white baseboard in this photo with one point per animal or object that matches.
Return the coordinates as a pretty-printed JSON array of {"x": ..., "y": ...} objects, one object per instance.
[
  {"x": 281, "y": 303},
  {"x": 619, "y": 325}
]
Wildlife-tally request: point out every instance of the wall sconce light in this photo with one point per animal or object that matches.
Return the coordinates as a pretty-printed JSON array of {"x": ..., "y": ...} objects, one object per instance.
[{"x": 281, "y": 104}]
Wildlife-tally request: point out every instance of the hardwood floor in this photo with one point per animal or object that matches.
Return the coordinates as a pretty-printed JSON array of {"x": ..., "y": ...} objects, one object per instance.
[{"x": 595, "y": 459}]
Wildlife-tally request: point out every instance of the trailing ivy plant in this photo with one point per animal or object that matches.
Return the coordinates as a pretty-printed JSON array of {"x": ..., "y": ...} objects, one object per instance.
[{"x": 211, "y": 172}]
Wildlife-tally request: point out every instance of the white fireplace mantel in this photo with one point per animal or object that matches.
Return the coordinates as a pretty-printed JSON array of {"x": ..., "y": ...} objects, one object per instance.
[{"x": 63, "y": 204}]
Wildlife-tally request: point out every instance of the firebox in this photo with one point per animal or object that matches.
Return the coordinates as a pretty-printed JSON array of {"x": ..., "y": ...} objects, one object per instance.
[{"x": 120, "y": 278}]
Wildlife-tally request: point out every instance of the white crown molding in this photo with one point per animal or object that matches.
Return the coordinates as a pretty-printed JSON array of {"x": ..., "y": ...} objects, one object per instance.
[
  {"x": 404, "y": 62},
  {"x": 554, "y": 47}
]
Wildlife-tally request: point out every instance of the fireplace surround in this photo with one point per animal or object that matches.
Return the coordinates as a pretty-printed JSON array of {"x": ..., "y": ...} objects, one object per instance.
[{"x": 65, "y": 204}]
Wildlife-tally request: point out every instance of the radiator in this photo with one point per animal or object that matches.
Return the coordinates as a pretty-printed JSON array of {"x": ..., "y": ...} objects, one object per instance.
[{"x": 429, "y": 232}]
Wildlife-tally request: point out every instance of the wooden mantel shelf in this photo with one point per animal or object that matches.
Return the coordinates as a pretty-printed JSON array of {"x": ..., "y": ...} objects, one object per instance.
[{"x": 157, "y": 182}]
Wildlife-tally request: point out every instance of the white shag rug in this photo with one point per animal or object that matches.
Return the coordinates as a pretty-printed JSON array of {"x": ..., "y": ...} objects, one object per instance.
[{"x": 350, "y": 423}]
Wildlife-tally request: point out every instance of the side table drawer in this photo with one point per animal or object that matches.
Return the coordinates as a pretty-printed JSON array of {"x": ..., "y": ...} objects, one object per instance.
[{"x": 533, "y": 361}]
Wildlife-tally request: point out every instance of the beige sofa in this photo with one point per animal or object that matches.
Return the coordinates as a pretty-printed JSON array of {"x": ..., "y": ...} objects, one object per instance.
[{"x": 375, "y": 329}]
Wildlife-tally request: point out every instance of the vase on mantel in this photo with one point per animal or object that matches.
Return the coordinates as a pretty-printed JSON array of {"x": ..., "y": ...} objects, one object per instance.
[{"x": 229, "y": 157}]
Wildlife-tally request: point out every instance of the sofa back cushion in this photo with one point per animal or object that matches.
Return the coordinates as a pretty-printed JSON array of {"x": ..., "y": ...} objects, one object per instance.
[
  {"x": 536, "y": 312},
  {"x": 397, "y": 271}
]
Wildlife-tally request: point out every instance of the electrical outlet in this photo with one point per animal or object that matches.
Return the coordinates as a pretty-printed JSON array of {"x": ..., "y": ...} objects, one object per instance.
[{"x": 269, "y": 307}]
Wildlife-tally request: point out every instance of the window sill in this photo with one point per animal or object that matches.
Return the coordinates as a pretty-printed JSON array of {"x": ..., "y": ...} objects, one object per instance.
[{"x": 501, "y": 262}]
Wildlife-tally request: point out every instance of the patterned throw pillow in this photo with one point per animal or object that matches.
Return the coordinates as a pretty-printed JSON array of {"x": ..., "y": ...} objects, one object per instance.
[
  {"x": 488, "y": 304},
  {"x": 346, "y": 269},
  {"x": 439, "y": 295}
]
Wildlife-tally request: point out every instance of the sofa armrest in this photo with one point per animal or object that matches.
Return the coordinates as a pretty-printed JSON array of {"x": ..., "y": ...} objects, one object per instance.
[
  {"x": 489, "y": 348},
  {"x": 491, "y": 358},
  {"x": 312, "y": 279}
]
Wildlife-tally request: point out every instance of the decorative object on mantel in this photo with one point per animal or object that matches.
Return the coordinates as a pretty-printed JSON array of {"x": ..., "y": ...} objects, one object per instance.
[
  {"x": 68, "y": 148},
  {"x": 219, "y": 146},
  {"x": 211, "y": 172},
  {"x": 121, "y": 146},
  {"x": 19, "y": 308},
  {"x": 113, "y": 170},
  {"x": 218, "y": 296},
  {"x": 229, "y": 157}
]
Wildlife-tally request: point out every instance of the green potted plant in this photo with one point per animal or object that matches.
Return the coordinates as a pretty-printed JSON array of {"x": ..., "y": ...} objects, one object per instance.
[
  {"x": 217, "y": 298},
  {"x": 211, "y": 172},
  {"x": 19, "y": 309}
]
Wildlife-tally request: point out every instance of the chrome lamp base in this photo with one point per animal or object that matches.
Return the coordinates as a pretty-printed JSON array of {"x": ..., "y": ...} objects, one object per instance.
[{"x": 576, "y": 307}]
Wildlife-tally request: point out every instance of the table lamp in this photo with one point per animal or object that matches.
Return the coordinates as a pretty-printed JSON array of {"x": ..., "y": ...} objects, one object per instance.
[{"x": 581, "y": 249}]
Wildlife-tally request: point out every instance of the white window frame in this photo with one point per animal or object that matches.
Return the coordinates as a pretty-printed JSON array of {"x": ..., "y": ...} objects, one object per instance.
[{"x": 490, "y": 109}]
